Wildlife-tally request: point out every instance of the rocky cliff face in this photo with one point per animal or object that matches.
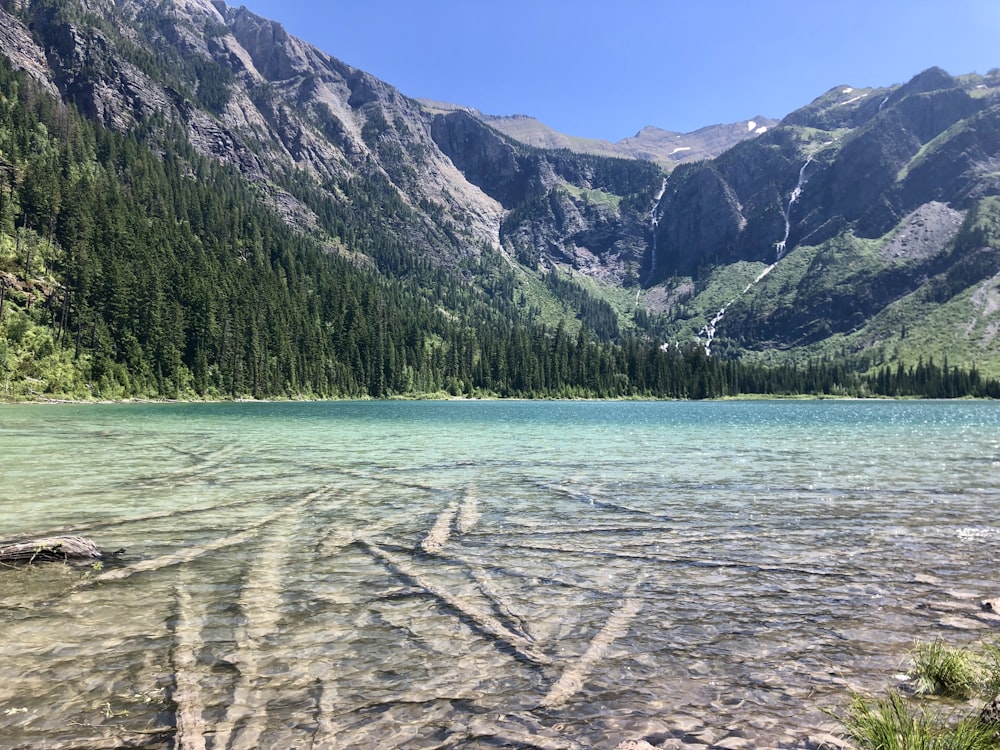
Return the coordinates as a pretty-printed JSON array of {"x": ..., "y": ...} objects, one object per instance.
[
  {"x": 582, "y": 212},
  {"x": 859, "y": 160},
  {"x": 665, "y": 147},
  {"x": 249, "y": 95}
]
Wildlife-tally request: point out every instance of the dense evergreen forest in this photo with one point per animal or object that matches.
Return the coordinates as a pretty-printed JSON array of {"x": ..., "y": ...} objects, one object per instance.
[{"x": 132, "y": 267}]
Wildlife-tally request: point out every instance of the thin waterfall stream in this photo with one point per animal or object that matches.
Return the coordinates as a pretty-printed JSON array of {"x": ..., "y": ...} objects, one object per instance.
[
  {"x": 786, "y": 212},
  {"x": 654, "y": 221},
  {"x": 708, "y": 332}
]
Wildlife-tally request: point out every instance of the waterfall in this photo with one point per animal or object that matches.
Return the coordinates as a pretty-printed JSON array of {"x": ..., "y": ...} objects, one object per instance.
[
  {"x": 708, "y": 332},
  {"x": 786, "y": 211},
  {"x": 654, "y": 221}
]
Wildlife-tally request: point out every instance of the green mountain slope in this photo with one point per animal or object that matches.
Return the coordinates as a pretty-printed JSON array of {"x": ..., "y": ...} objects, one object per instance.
[
  {"x": 868, "y": 214},
  {"x": 195, "y": 203},
  {"x": 132, "y": 272}
]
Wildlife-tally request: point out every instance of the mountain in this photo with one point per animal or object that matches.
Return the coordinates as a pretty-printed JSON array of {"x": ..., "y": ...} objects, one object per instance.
[
  {"x": 865, "y": 223},
  {"x": 194, "y": 201},
  {"x": 666, "y": 147},
  {"x": 862, "y": 228}
]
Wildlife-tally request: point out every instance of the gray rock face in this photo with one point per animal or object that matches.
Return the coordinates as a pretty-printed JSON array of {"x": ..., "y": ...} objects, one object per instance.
[
  {"x": 486, "y": 158},
  {"x": 923, "y": 234},
  {"x": 732, "y": 208},
  {"x": 564, "y": 209},
  {"x": 20, "y": 48},
  {"x": 670, "y": 148},
  {"x": 252, "y": 96},
  {"x": 665, "y": 147}
]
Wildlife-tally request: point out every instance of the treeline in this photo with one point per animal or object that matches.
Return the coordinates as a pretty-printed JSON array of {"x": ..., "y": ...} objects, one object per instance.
[
  {"x": 132, "y": 272},
  {"x": 556, "y": 364},
  {"x": 932, "y": 381}
]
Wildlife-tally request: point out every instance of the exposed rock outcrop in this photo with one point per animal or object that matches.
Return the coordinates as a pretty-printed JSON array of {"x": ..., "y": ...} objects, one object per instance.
[
  {"x": 23, "y": 52},
  {"x": 666, "y": 147}
]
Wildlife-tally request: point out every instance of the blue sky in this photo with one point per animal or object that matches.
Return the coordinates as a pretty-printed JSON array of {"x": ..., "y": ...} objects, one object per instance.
[{"x": 606, "y": 69}]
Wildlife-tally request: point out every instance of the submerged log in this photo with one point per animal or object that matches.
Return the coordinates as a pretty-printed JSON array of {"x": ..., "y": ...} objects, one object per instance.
[
  {"x": 435, "y": 540},
  {"x": 576, "y": 674},
  {"x": 186, "y": 556},
  {"x": 188, "y": 641},
  {"x": 58, "y": 548},
  {"x": 483, "y": 620}
]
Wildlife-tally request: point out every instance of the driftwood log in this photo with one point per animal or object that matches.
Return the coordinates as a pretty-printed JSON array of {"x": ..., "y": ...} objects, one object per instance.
[{"x": 58, "y": 548}]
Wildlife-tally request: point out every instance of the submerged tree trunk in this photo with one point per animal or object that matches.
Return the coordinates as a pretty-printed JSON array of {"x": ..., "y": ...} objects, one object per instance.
[{"x": 59, "y": 548}]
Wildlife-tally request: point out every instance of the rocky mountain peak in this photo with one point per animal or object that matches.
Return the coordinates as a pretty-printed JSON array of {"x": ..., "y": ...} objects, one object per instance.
[{"x": 666, "y": 148}]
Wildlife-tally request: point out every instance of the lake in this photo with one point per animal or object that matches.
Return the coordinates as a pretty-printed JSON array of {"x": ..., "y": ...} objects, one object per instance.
[{"x": 484, "y": 574}]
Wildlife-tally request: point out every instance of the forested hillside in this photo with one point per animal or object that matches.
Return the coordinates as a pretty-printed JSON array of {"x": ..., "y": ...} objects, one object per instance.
[
  {"x": 129, "y": 272},
  {"x": 195, "y": 205}
]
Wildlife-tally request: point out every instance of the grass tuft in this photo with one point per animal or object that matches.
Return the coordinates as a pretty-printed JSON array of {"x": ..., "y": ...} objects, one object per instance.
[
  {"x": 892, "y": 724},
  {"x": 950, "y": 671},
  {"x": 991, "y": 657},
  {"x": 885, "y": 724}
]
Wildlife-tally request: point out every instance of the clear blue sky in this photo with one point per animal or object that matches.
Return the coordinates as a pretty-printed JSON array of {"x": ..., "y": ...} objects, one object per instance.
[{"x": 606, "y": 69}]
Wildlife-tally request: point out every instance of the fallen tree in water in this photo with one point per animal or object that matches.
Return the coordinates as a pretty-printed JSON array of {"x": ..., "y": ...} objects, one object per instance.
[{"x": 57, "y": 548}]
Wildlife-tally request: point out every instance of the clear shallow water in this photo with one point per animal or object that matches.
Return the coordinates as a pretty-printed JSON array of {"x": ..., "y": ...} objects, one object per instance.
[{"x": 450, "y": 574}]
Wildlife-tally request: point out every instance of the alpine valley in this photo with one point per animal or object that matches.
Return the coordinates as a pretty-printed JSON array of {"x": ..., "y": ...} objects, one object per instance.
[{"x": 194, "y": 203}]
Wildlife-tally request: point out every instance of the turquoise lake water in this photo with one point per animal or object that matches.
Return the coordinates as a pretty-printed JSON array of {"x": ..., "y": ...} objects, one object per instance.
[{"x": 485, "y": 574}]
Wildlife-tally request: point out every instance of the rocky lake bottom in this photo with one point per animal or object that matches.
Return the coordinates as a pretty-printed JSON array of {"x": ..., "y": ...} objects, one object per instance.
[{"x": 495, "y": 574}]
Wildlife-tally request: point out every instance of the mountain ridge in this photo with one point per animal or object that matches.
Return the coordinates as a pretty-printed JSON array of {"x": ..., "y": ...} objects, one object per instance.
[
  {"x": 650, "y": 143},
  {"x": 858, "y": 228}
]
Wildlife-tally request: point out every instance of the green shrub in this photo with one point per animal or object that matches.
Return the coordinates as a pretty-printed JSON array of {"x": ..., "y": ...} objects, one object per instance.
[{"x": 17, "y": 327}]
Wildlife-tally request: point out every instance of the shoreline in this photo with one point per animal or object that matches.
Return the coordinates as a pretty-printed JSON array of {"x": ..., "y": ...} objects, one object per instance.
[{"x": 448, "y": 397}]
